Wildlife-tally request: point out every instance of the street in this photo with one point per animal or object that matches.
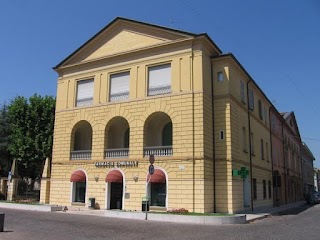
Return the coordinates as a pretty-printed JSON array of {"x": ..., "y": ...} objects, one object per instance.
[{"x": 300, "y": 223}]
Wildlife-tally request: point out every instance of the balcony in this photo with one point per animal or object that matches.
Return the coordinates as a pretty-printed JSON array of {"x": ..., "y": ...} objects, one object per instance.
[
  {"x": 80, "y": 155},
  {"x": 117, "y": 153},
  {"x": 158, "y": 151}
]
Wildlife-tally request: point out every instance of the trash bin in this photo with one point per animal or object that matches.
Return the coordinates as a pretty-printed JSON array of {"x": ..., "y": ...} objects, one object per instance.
[
  {"x": 144, "y": 203},
  {"x": 92, "y": 203},
  {"x": 1, "y": 222}
]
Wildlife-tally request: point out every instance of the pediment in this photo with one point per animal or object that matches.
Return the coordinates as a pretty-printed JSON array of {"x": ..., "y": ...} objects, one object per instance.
[
  {"x": 122, "y": 36},
  {"x": 292, "y": 123}
]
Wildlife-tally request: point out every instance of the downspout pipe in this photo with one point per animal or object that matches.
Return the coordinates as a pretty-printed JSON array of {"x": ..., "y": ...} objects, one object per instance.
[
  {"x": 250, "y": 143},
  {"x": 213, "y": 143},
  {"x": 284, "y": 166},
  {"x": 193, "y": 130},
  {"x": 271, "y": 154}
]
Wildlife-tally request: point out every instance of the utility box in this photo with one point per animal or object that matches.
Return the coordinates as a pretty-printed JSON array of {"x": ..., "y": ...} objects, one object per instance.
[{"x": 92, "y": 203}]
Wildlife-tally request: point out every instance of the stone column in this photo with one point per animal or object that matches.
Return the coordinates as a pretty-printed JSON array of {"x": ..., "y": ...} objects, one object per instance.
[
  {"x": 45, "y": 183},
  {"x": 13, "y": 182}
]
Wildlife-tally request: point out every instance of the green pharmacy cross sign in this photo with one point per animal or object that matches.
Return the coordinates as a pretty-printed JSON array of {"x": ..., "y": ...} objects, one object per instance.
[{"x": 243, "y": 172}]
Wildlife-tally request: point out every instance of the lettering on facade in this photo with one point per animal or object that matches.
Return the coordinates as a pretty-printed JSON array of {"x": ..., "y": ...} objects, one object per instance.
[{"x": 117, "y": 164}]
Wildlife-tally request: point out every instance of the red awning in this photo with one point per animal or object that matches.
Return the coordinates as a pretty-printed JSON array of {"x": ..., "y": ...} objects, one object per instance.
[
  {"x": 114, "y": 176},
  {"x": 78, "y": 176},
  {"x": 158, "y": 177}
]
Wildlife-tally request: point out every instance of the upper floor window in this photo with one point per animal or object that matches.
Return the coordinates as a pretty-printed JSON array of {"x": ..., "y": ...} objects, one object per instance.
[
  {"x": 260, "y": 110},
  {"x": 262, "y": 150},
  {"x": 119, "y": 86},
  {"x": 159, "y": 79},
  {"x": 84, "y": 93},
  {"x": 220, "y": 76},
  {"x": 243, "y": 99},
  {"x": 251, "y": 99},
  {"x": 265, "y": 115}
]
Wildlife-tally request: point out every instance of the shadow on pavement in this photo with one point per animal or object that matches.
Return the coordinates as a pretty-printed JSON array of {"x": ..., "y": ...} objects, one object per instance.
[{"x": 294, "y": 211}]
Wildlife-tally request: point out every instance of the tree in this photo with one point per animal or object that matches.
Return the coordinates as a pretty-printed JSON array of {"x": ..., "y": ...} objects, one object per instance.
[
  {"x": 5, "y": 156},
  {"x": 31, "y": 124}
]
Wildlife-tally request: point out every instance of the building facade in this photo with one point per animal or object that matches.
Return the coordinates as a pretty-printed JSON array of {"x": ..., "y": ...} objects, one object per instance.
[
  {"x": 307, "y": 170},
  {"x": 136, "y": 90}
]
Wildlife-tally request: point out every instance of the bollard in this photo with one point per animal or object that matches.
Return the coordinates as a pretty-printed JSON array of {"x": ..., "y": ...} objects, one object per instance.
[{"x": 1, "y": 222}]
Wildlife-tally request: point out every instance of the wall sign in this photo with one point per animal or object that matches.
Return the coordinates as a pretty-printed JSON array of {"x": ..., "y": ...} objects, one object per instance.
[{"x": 117, "y": 164}]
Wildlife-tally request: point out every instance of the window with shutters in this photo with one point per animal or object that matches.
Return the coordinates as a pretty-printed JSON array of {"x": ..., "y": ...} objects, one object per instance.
[
  {"x": 262, "y": 150},
  {"x": 243, "y": 99},
  {"x": 84, "y": 93},
  {"x": 119, "y": 86},
  {"x": 260, "y": 110},
  {"x": 265, "y": 115},
  {"x": 159, "y": 78},
  {"x": 251, "y": 99}
]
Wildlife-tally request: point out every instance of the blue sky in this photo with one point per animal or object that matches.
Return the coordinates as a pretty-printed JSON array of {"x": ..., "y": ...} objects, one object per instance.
[{"x": 278, "y": 42}]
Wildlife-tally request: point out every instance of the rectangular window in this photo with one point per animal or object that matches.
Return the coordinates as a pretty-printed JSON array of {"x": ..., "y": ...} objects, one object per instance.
[
  {"x": 262, "y": 150},
  {"x": 84, "y": 93},
  {"x": 244, "y": 139},
  {"x": 254, "y": 188},
  {"x": 159, "y": 79},
  {"x": 243, "y": 99},
  {"x": 264, "y": 189},
  {"x": 251, "y": 99},
  {"x": 265, "y": 115},
  {"x": 220, "y": 76},
  {"x": 260, "y": 110},
  {"x": 119, "y": 86},
  {"x": 252, "y": 143},
  {"x": 269, "y": 188},
  {"x": 221, "y": 135},
  {"x": 267, "y": 151}
]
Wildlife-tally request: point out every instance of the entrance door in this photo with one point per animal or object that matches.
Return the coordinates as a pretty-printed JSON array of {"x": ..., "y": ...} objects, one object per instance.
[
  {"x": 246, "y": 192},
  {"x": 116, "y": 195}
]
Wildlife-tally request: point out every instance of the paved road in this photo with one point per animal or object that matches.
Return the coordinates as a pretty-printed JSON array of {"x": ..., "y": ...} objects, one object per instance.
[{"x": 302, "y": 223}]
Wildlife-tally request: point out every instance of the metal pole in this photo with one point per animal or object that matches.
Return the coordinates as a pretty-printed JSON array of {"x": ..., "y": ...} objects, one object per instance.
[{"x": 147, "y": 199}]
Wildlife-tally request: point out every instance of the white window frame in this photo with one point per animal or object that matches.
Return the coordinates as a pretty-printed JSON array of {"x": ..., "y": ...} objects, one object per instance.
[
  {"x": 159, "y": 79},
  {"x": 119, "y": 86},
  {"x": 86, "y": 92}
]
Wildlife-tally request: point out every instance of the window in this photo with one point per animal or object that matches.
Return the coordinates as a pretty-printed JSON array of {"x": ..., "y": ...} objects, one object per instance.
[
  {"x": 254, "y": 188},
  {"x": 251, "y": 99},
  {"x": 159, "y": 79},
  {"x": 220, "y": 76},
  {"x": 265, "y": 115},
  {"x": 244, "y": 139},
  {"x": 221, "y": 135},
  {"x": 264, "y": 189},
  {"x": 269, "y": 188},
  {"x": 260, "y": 110},
  {"x": 84, "y": 93},
  {"x": 80, "y": 192},
  {"x": 167, "y": 135},
  {"x": 267, "y": 151},
  {"x": 243, "y": 99},
  {"x": 262, "y": 150},
  {"x": 252, "y": 143},
  {"x": 119, "y": 86}
]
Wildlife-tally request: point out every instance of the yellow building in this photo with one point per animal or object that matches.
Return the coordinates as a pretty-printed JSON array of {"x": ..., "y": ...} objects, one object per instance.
[{"x": 135, "y": 90}]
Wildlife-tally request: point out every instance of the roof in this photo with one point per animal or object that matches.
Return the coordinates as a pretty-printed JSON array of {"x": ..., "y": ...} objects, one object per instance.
[{"x": 142, "y": 23}]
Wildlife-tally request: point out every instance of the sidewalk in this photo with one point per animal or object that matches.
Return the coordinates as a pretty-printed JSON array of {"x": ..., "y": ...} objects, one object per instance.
[
  {"x": 250, "y": 216},
  {"x": 266, "y": 212}
]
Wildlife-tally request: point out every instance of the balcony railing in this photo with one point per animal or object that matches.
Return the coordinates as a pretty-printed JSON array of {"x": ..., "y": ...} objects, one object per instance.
[
  {"x": 159, "y": 90},
  {"x": 158, "y": 151},
  {"x": 84, "y": 102},
  {"x": 80, "y": 155},
  {"x": 117, "y": 153},
  {"x": 119, "y": 96}
]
